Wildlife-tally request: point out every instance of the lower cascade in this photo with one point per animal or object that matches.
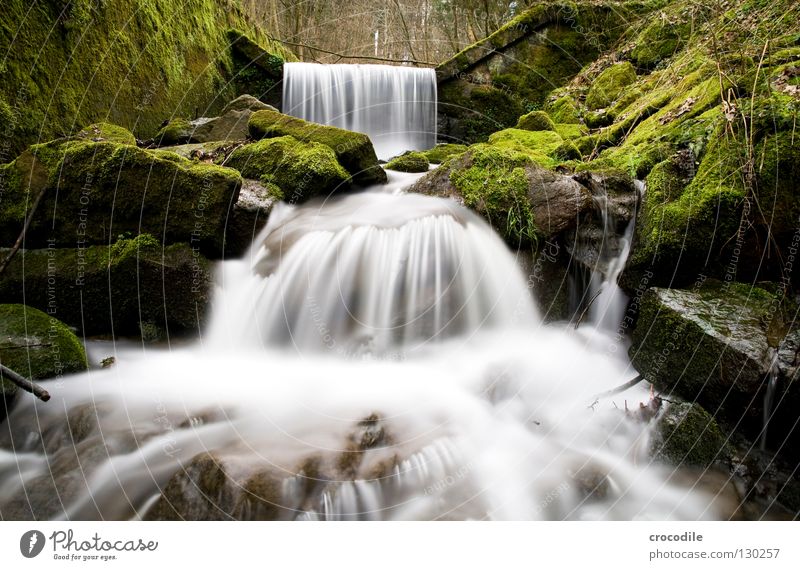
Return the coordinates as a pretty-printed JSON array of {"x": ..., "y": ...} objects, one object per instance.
[
  {"x": 394, "y": 105},
  {"x": 373, "y": 356}
]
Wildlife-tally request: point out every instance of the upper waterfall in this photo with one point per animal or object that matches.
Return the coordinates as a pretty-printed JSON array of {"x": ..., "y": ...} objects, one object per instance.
[{"x": 394, "y": 105}]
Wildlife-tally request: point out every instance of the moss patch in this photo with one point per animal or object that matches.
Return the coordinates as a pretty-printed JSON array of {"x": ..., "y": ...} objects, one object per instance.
[
  {"x": 409, "y": 162},
  {"x": 442, "y": 152},
  {"x": 300, "y": 169},
  {"x": 36, "y": 345},
  {"x": 354, "y": 151},
  {"x": 536, "y": 121},
  {"x": 609, "y": 85}
]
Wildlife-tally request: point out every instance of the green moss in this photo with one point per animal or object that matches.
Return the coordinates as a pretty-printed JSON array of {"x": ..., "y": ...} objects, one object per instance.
[
  {"x": 442, "y": 152},
  {"x": 688, "y": 435},
  {"x": 99, "y": 132},
  {"x": 597, "y": 119},
  {"x": 536, "y": 121},
  {"x": 300, "y": 169},
  {"x": 37, "y": 345},
  {"x": 539, "y": 146},
  {"x": 564, "y": 110},
  {"x": 609, "y": 85},
  {"x": 177, "y": 131},
  {"x": 566, "y": 151},
  {"x": 128, "y": 62},
  {"x": 570, "y": 131},
  {"x": 354, "y": 151},
  {"x": 492, "y": 181},
  {"x": 409, "y": 162}
]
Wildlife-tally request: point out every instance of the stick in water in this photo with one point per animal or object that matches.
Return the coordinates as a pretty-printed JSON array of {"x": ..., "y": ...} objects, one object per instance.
[{"x": 24, "y": 383}]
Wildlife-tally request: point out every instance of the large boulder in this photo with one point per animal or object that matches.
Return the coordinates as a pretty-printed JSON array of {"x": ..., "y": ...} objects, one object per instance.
[
  {"x": 301, "y": 170},
  {"x": 133, "y": 287},
  {"x": 717, "y": 345},
  {"x": 95, "y": 191},
  {"x": 353, "y": 150},
  {"x": 521, "y": 199}
]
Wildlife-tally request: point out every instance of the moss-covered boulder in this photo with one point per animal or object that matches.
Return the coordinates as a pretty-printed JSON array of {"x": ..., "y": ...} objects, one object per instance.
[
  {"x": 127, "y": 288},
  {"x": 686, "y": 434},
  {"x": 536, "y": 121},
  {"x": 106, "y": 132},
  {"x": 36, "y": 345},
  {"x": 301, "y": 170},
  {"x": 95, "y": 191},
  {"x": 175, "y": 132},
  {"x": 353, "y": 150},
  {"x": 409, "y": 162},
  {"x": 247, "y": 103},
  {"x": 715, "y": 345},
  {"x": 609, "y": 85},
  {"x": 443, "y": 151},
  {"x": 507, "y": 186}
]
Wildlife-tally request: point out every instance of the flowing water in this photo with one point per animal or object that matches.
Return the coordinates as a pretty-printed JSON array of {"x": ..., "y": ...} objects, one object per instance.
[
  {"x": 394, "y": 105},
  {"x": 373, "y": 356}
]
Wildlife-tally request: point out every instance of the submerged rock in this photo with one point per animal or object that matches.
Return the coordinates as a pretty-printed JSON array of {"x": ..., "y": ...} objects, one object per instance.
[
  {"x": 125, "y": 289},
  {"x": 354, "y": 151},
  {"x": 409, "y": 162}
]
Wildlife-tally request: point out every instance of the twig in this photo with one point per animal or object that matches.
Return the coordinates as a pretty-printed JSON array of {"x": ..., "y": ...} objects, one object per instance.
[
  {"x": 368, "y": 57},
  {"x": 24, "y": 383},
  {"x": 20, "y": 239},
  {"x": 587, "y": 307},
  {"x": 629, "y": 384}
]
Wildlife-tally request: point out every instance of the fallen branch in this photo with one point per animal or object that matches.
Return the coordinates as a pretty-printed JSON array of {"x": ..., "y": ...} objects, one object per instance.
[
  {"x": 629, "y": 384},
  {"x": 21, "y": 238},
  {"x": 24, "y": 383},
  {"x": 367, "y": 57}
]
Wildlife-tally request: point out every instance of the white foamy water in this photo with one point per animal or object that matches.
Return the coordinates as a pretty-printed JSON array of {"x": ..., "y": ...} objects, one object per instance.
[
  {"x": 421, "y": 328},
  {"x": 394, "y": 105}
]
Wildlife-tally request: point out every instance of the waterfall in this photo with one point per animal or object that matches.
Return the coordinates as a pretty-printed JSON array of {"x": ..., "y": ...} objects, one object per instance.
[
  {"x": 394, "y": 105},
  {"x": 370, "y": 273}
]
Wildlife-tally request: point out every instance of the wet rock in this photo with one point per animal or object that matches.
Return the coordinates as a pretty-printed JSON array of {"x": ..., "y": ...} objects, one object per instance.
[
  {"x": 686, "y": 434},
  {"x": 250, "y": 215},
  {"x": 247, "y": 103},
  {"x": 715, "y": 344},
  {"x": 354, "y": 151},
  {"x": 222, "y": 486},
  {"x": 101, "y": 289},
  {"x": 35, "y": 346}
]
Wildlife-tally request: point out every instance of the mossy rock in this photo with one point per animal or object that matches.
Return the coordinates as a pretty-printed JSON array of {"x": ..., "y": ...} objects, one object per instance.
[
  {"x": 473, "y": 112},
  {"x": 354, "y": 151},
  {"x": 247, "y": 103},
  {"x": 442, "y": 152},
  {"x": 106, "y": 132},
  {"x": 36, "y": 345},
  {"x": 564, "y": 109},
  {"x": 540, "y": 146},
  {"x": 301, "y": 170},
  {"x": 686, "y": 434},
  {"x": 609, "y": 85},
  {"x": 711, "y": 344},
  {"x": 177, "y": 131},
  {"x": 114, "y": 289},
  {"x": 506, "y": 185},
  {"x": 96, "y": 191},
  {"x": 409, "y": 162},
  {"x": 536, "y": 121}
]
